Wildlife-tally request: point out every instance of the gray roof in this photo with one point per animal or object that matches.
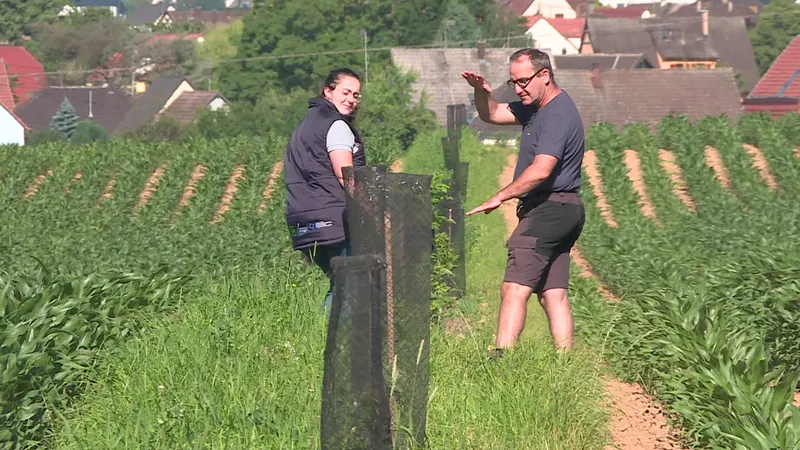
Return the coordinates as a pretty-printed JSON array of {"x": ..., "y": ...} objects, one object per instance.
[
  {"x": 634, "y": 95},
  {"x": 108, "y": 106},
  {"x": 146, "y": 14},
  {"x": 603, "y": 61},
  {"x": 438, "y": 73},
  {"x": 147, "y": 105},
  {"x": 727, "y": 41}
]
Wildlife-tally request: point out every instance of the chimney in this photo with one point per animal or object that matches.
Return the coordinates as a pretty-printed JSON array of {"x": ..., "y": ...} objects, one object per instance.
[
  {"x": 91, "y": 115},
  {"x": 730, "y": 6},
  {"x": 481, "y": 51},
  {"x": 704, "y": 19},
  {"x": 699, "y": 4},
  {"x": 597, "y": 82}
]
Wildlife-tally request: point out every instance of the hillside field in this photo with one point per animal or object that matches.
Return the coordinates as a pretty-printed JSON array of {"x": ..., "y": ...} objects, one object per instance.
[{"x": 149, "y": 296}]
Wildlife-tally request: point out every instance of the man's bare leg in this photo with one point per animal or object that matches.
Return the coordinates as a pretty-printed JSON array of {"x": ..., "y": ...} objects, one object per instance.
[
  {"x": 513, "y": 309},
  {"x": 559, "y": 314}
]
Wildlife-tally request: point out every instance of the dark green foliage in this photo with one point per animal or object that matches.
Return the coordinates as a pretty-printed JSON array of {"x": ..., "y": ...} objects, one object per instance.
[{"x": 65, "y": 120}]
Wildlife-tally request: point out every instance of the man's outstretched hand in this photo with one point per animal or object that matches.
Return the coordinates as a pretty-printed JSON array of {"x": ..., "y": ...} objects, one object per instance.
[
  {"x": 477, "y": 81},
  {"x": 487, "y": 207}
]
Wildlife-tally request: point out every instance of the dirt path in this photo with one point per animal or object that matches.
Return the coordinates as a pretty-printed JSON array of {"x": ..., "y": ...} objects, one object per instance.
[
  {"x": 230, "y": 191},
  {"x": 714, "y": 161},
  {"x": 508, "y": 209},
  {"x": 397, "y": 166},
  {"x": 150, "y": 188},
  {"x": 270, "y": 187},
  {"x": 760, "y": 164},
  {"x": 198, "y": 173},
  {"x": 636, "y": 424},
  {"x": 590, "y": 165},
  {"x": 75, "y": 179},
  {"x": 37, "y": 182},
  {"x": 108, "y": 192},
  {"x": 670, "y": 166},
  {"x": 634, "y": 166},
  {"x": 797, "y": 152}
]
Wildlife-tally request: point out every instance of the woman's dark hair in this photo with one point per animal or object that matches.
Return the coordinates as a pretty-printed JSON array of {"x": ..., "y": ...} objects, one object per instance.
[{"x": 335, "y": 75}]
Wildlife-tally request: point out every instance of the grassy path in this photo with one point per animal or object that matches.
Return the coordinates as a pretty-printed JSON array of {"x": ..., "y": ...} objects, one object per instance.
[{"x": 240, "y": 364}]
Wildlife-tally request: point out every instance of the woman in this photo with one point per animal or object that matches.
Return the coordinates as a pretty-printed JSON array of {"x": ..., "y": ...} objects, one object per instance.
[{"x": 324, "y": 142}]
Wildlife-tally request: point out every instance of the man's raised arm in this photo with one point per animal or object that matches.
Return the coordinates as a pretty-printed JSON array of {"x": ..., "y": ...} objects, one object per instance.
[{"x": 489, "y": 110}]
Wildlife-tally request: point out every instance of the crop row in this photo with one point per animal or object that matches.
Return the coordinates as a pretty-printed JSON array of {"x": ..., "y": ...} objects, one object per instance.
[
  {"x": 204, "y": 204},
  {"x": 707, "y": 318}
]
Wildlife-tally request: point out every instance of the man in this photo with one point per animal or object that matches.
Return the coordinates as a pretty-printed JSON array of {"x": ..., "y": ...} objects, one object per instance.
[{"x": 546, "y": 181}]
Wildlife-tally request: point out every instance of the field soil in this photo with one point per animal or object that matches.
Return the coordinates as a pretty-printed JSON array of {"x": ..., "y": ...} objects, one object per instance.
[
  {"x": 636, "y": 422},
  {"x": 670, "y": 166},
  {"x": 590, "y": 165},
  {"x": 634, "y": 166}
]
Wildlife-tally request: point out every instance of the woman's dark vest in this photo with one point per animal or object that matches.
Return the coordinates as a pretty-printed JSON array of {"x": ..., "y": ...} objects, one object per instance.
[{"x": 315, "y": 201}]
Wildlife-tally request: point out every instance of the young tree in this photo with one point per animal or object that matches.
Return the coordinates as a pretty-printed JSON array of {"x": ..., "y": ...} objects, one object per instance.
[
  {"x": 65, "y": 120},
  {"x": 776, "y": 27},
  {"x": 458, "y": 27}
]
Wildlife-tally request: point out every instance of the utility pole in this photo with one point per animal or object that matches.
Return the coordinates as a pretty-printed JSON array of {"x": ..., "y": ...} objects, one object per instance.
[{"x": 366, "y": 61}]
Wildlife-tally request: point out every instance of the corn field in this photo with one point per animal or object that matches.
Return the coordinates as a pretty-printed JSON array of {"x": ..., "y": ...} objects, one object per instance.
[
  {"x": 705, "y": 265},
  {"x": 97, "y": 237},
  {"x": 692, "y": 227}
]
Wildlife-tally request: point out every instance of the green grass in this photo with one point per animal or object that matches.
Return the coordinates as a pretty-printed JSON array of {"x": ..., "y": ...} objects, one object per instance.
[{"x": 240, "y": 363}]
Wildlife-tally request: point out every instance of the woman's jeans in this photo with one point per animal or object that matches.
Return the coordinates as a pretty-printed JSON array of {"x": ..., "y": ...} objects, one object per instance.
[{"x": 321, "y": 255}]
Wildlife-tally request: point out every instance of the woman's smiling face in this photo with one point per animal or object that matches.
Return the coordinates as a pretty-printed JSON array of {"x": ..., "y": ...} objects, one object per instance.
[{"x": 346, "y": 95}]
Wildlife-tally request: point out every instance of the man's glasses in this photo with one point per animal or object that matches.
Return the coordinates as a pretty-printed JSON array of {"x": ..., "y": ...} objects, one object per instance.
[{"x": 523, "y": 82}]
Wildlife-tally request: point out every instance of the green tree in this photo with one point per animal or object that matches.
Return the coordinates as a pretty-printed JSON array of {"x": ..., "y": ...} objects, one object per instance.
[
  {"x": 458, "y": 27},
  {"x": 89, "y": 131},
  {"x": 65, "y": 120},
  {"x": 292, "y": 44},
  {"x": 17, "y": 15},
  {"x": 778, "y": 24}
]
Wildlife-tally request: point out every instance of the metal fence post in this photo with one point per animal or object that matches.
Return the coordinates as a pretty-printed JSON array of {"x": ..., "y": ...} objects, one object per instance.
[{"x": 355, "y": 407}]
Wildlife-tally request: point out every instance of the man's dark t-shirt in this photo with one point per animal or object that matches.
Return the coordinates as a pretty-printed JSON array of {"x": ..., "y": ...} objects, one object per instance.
[{"x": 556, "y": 129}]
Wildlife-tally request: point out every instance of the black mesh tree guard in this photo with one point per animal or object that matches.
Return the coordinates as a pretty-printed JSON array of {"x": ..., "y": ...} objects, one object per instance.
[{"x": 390, "y": 221}]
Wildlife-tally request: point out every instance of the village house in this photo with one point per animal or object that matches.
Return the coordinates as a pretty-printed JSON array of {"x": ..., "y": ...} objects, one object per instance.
[
  {"x": 701, "y": 42},
  {"x": 559, "y": 36},
  {"x": 778, "y": 91},
  {"x": 175, "y": 97},
  {"x": 550, "y": 9},
  {"x": 624, "y": 96},
  {"x": 12, "y": 127}
]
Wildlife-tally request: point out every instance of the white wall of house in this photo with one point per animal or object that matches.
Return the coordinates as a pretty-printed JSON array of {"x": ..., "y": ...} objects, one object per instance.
[
  {"x": 217, "y": 103},
  {"x": 547, "y": 37},
  {"x": 11, "y": 131},
  {"x": 551, "y": 9}
]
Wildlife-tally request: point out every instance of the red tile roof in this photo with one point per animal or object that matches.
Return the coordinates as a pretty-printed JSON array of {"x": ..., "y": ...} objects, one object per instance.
[
  {"x": 533, "y": 19},
  {"x": 25, "y": 69},
  {"x": 783, "y": 77},
  {"x": 6, "y": 96},
  {"x": 569, "y": 28},
  {"x": 629, "y": 12}
]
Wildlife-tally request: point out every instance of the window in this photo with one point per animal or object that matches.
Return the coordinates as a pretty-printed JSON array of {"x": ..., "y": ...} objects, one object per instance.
[{"x": 559, "y": 16}]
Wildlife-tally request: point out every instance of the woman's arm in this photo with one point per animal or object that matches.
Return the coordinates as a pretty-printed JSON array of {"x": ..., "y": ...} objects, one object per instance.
[{"x": 341, "y": 143}]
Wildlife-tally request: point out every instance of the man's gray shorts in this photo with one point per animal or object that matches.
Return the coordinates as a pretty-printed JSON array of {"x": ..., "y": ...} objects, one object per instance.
[{"x": 538, "y": 249}]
